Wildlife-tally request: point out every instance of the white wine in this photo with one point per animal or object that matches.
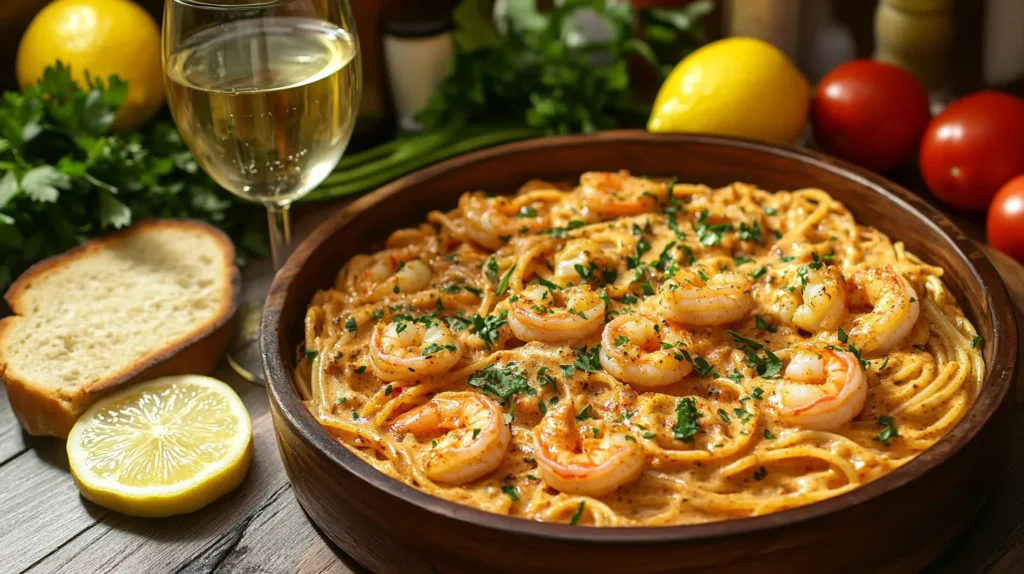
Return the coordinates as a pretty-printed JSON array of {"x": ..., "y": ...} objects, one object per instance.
[{"x": 266, "y": 105}]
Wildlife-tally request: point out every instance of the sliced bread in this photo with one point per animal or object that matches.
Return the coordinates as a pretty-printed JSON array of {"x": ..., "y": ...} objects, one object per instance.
[{"x": 154, "y": 299}]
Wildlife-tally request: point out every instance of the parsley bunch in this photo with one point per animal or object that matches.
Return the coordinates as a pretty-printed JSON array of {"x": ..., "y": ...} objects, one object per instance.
[{"x": 64, "y": 178}]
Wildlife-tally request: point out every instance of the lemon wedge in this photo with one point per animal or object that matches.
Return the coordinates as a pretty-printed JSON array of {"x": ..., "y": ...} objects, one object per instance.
[{"x": 165, "y": 447}]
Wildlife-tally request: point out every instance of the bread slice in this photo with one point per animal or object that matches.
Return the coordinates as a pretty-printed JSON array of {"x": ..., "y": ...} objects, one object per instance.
[{"x": 155, "y": 299}]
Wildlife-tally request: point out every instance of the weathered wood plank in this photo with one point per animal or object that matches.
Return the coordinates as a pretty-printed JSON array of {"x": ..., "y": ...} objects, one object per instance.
[
  {"x": 12, "y": 441},
  {"x": 125, "y": 544},
  {"x": 40, "y": 508},
  {"x": 279, "y": 539}
]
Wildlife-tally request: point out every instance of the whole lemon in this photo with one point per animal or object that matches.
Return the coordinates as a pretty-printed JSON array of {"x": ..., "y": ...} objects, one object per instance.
[
  {"x": 736, "y": 87},
  {"x": 103, "y": 37}
]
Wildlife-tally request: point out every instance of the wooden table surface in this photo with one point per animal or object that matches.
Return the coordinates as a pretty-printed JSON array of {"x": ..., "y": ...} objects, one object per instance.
[{"x": 45, "y": 526}]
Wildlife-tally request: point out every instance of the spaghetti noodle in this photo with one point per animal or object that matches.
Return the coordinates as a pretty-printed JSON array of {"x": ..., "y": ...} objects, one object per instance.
[{"x": 635, "y": 352}]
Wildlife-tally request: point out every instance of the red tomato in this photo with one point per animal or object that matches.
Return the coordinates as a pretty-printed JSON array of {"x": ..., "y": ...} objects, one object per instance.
[
  {"x": 870, "y": 113},
  {"x": 973, "y": 147},
  {"x": 1005, "y": 228}
]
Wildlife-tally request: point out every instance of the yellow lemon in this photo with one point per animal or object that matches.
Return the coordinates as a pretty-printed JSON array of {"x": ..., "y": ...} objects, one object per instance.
[
  {"x": 103, "y": 37},
  {"x": 736, "y": 87},
  {"x": 169, "y": 446}
]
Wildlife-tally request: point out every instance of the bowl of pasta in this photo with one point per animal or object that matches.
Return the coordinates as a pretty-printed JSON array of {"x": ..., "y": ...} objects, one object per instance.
[{"x": 628, "y": 352}]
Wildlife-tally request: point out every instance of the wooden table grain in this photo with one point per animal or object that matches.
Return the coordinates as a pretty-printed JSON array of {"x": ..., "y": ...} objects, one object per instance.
[{"x": 45, "y": 526}]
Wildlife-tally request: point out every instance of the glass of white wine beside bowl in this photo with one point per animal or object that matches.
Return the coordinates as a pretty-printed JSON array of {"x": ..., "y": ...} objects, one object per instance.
[{"x": 265, "y": 94}]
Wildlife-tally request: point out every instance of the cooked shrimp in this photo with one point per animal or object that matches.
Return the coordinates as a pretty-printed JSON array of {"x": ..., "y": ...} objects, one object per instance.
[
  {"x": 822, "y": 390},
  {"x": 584, "y": 255},
  {"x": 543, "y": 314},
  {"x": 691, "y": 299},
  {"x": 575, "y": 462},
  {"x": 401, "y": 350},
  {"x": 613, "y": 194},
  {"x": 894, "y": 313},
  {"x": 639, "y": 350},
  {"x": 490, "y": 221},
  {"x": 819, "y": 305},
  {"x": 475, "y": 435},
  {"x": 389, "y": 272}
]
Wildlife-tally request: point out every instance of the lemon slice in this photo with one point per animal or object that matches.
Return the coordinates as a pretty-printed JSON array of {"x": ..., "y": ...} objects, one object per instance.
[{"x": 168, "y": 446}]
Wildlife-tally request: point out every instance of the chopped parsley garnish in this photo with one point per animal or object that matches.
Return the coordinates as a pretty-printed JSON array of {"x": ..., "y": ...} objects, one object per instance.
[
  {"x": 786, "y": 258},
  {"x": 561, "y": 232},
  {"x": 757, "y": 393},
  {"x": 690, "y": 259},
  {"x": 736, "y": 376},
  {"x": 396, "y": 289},
  {"x": 351, "y": 326},
  {"x": 492, "y": 270},
  {"x": 704, "y": 368},
  {"x": 377, "y": 313},
  {"x": 503, "y": 383},
  {"x": 665, "y": 257},
  {"x": 759, "y": 272},
  {"x": 770, "y": 211},
  {"x": 630, "y": 438},
  {"x": 764, "y": 325},
  {"x": 751, "y": 233},
  {"x": 584, "y": 414},
  {"x": 725, "y": 417},
  {"x": 587, "y": 361},
  {"x": 355, "y": 415},
  {"x": 511, "y": 491},
  {"x": 543, "y": 408},
  {"x": 342, "y": 400},
  {"x": 585, "y": 273},
  {"x": 977, "y": 341},
  {"x": 503, "y": 285},
  {"x": 568, "y": 370},
  {"x": 768, "y": 435},
  {"x": 360, "y": 369},
  {"x": 687, "y": 417},
  {"x": 476, "y": 432},
  {"x": 743, "y": 414},
  {"x": 527, "y": 211},
  {"x": 843, "y": 335},
  {"x": 487, "y": 327},
  {"x": 642, "y": 246},
  {"x": 621, "y": 340},
  {"x": 549, "y": 284},
  {"x": 310, "y": 354},
  {"x": 434, "y": 348},
  {"x": 885, "y": 364},
  {"x": 760, "y": 473},
  {"x": 629, "y": 299},
  {"x": 649, "y": 435},
  {"x": 709, "y": 234},
  {"x": 888, "y": 432},
  {"x": 741, "y": 260},
  {"x": 543, "y": 378},
  {"x": 767, "y": 366},
  {"x": 577, "y": 515},
  {"x": 388, "y": 390}
]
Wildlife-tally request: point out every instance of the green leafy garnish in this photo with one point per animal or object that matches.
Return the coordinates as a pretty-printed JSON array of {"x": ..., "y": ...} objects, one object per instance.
[
  {"x": 687, "y": 417},
  {"x": 65, "y": 178},
  {"x": 888, "y": 432}
]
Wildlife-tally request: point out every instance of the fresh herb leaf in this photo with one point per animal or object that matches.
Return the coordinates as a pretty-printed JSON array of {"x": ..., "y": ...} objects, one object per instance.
[
  {"x": 351, "y": 326},
  {"x": 577, "y": 515},
  {"x": 511, "y": 491},
  {"x": 503, "y": 285},
  {"x": 889, "y": 430},
  {"x": 764, "y": 325},
  {"x": 687, "y": 416}
]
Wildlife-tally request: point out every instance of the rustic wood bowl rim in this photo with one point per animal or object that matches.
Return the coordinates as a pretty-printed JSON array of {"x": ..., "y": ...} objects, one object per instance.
[{"x": 997, "y": 381}]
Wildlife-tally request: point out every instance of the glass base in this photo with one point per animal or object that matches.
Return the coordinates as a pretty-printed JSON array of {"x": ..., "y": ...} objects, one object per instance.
[{"x": 244, "y": 352}]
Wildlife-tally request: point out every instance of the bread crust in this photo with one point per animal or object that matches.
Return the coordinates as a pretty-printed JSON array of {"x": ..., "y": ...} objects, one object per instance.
[{"x": 42, "y": 412}]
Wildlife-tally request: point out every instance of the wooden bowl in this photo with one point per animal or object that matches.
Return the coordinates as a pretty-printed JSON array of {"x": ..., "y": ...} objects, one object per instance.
[{"x": 897, "y": 523}]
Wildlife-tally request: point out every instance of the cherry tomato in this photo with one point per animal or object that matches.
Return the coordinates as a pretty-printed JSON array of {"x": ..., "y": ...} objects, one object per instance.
[
  {"x": 1005, "y": 229},
  {"x": 870, "y": 113},
  {"x": 973, "y": 147}
]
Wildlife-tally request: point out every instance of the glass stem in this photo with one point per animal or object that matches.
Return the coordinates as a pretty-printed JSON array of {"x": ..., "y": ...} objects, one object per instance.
[{"x": 280, "y": 232}]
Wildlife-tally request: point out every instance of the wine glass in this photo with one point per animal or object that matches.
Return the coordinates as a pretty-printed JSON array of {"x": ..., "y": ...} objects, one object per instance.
[{"x": 265, "y": 94}]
